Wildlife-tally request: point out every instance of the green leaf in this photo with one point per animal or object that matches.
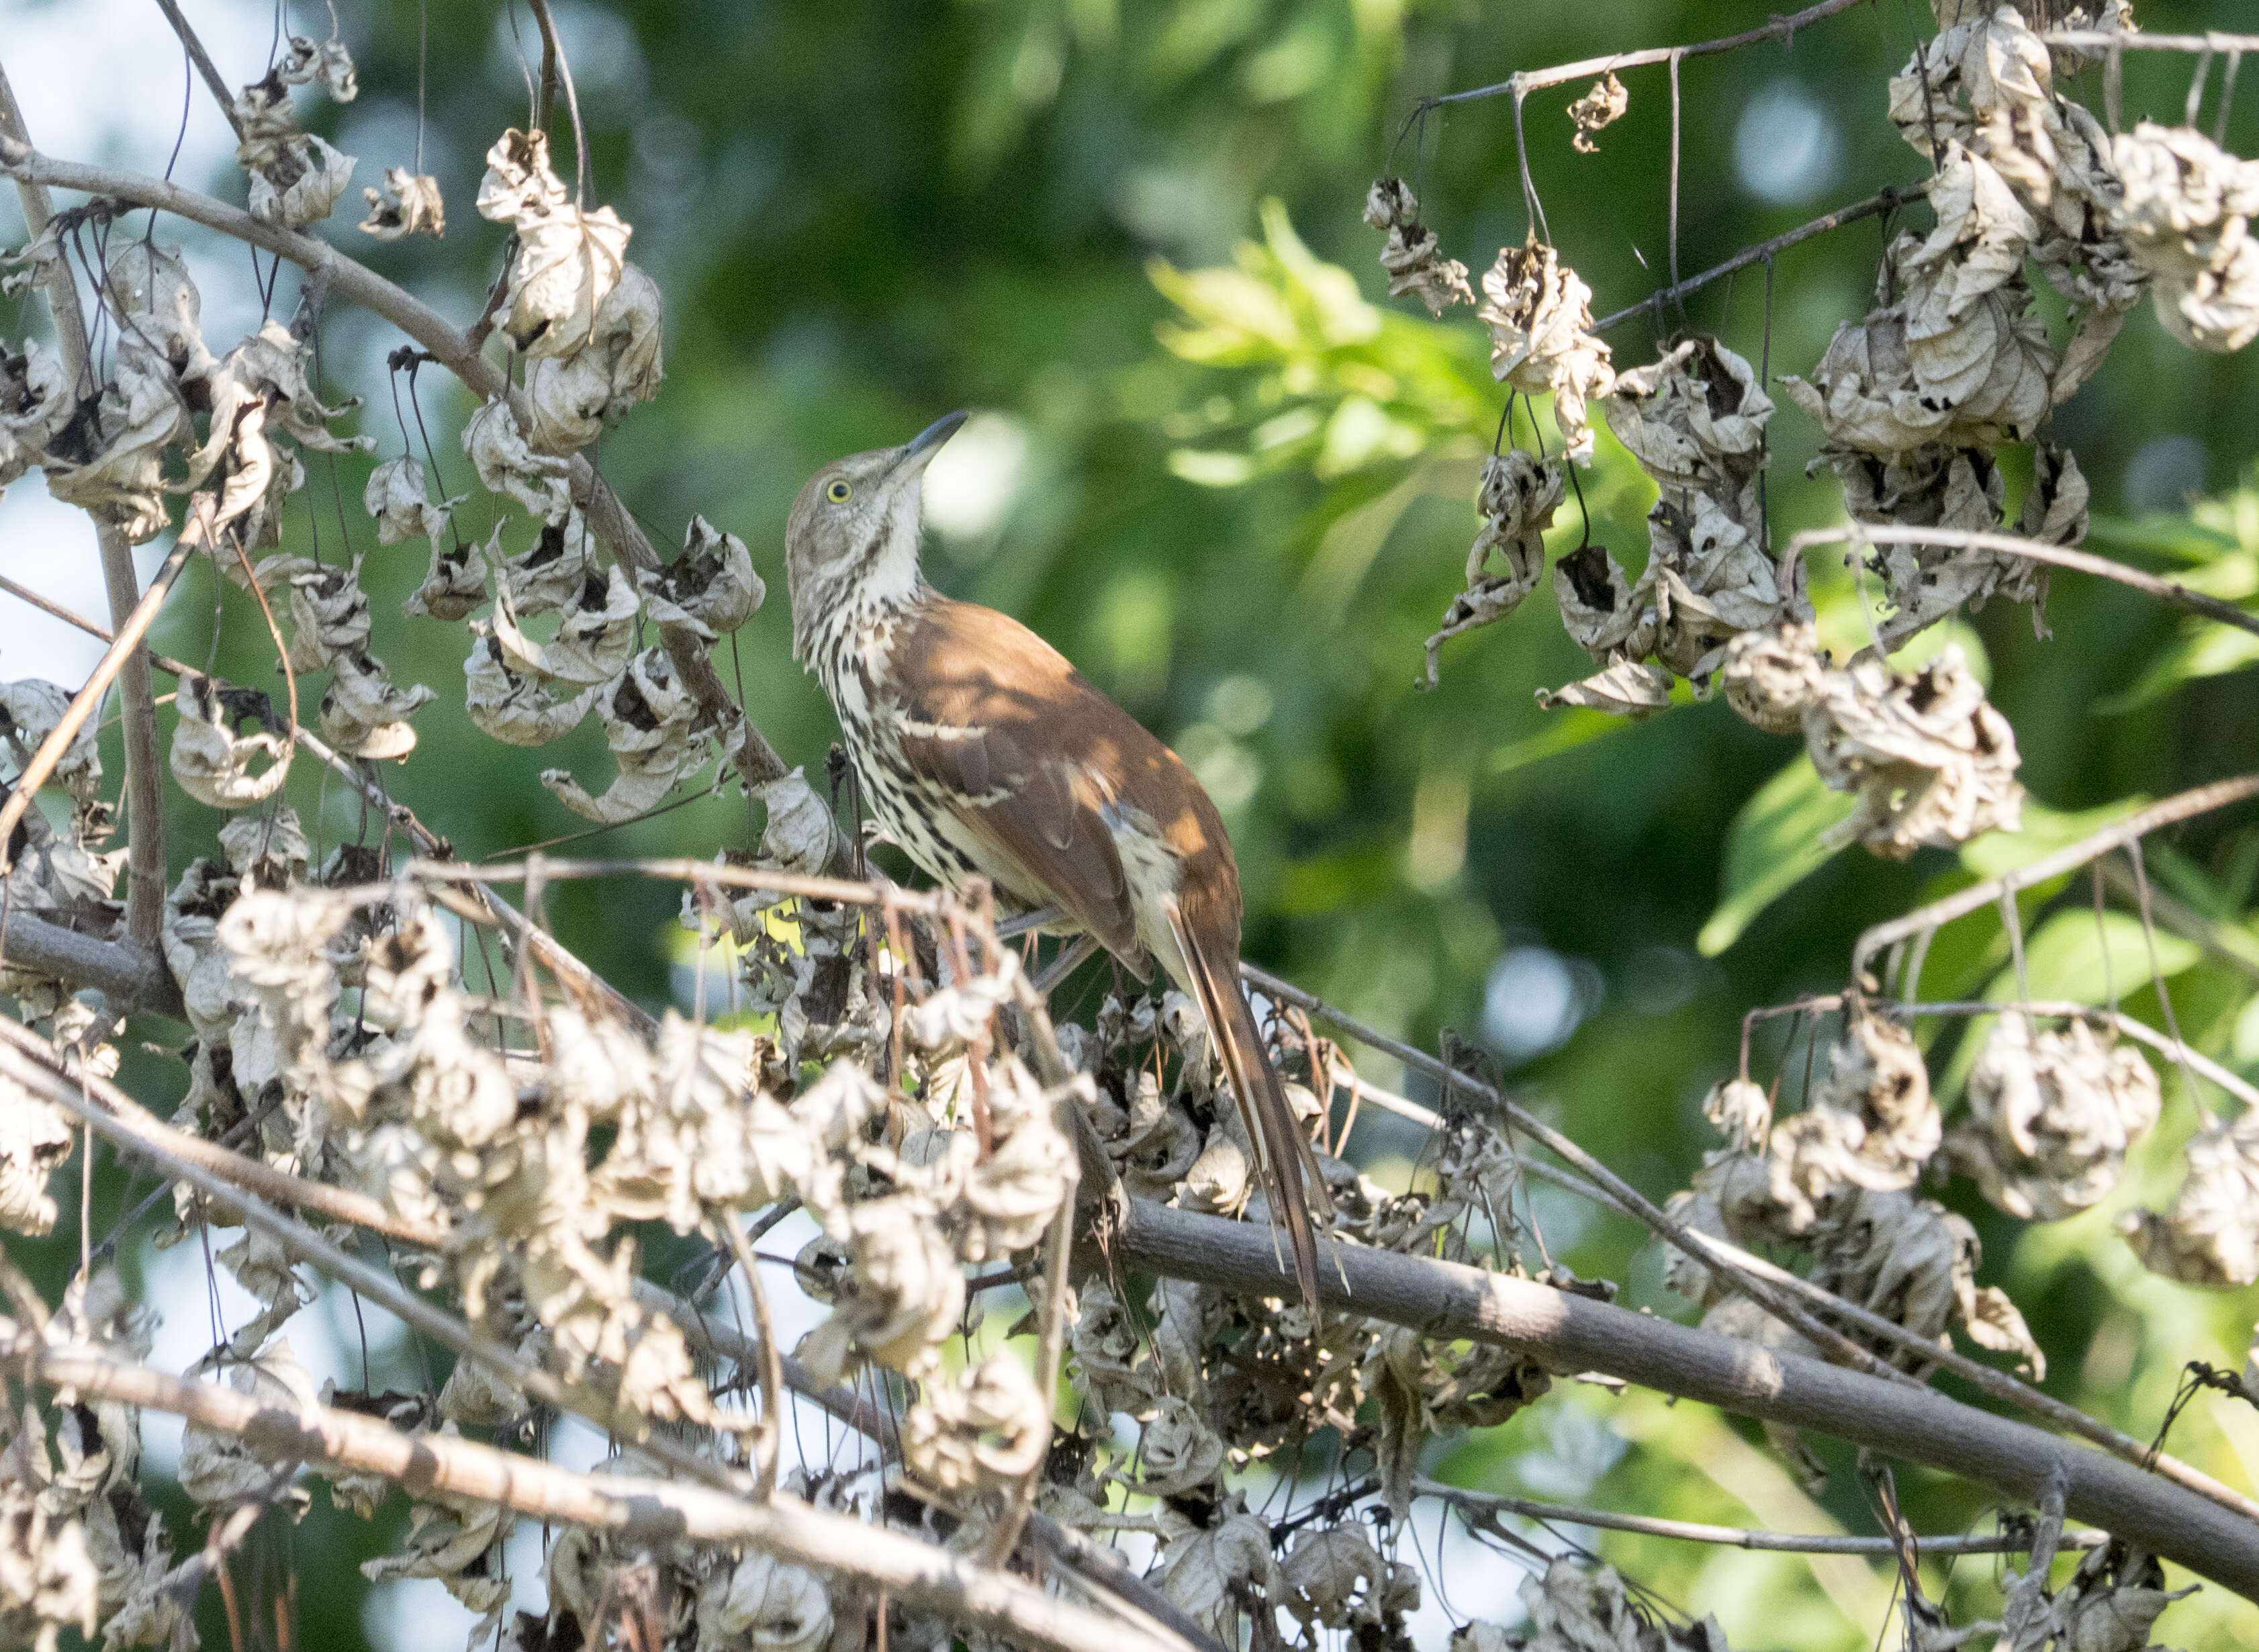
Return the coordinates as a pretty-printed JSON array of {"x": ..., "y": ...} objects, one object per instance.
[
  {"x": 1563, "y": 731},
  {"x": 2081, "y": 957},
  {"x": 1772, "y": 847},
  {"x": 2164, "y": 536},
  {"x": 2208, "y": 649}
]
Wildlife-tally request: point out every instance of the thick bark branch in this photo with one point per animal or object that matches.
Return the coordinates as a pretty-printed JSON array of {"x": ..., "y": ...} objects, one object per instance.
[
  {"x": 1572, "y": 1333},
  {"x": 132, "y": 977},
  {"x": 634, "y": 1508}
]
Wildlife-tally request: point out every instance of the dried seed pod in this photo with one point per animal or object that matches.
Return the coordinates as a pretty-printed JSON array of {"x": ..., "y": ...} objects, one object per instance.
[
  {"x": 395, "y": 495},
  {"x": 1873, "y": 1123},
  {"x": 1518, "y": 496},
  {"x": 595, "y": 631},
  {"x": 363, "y": 715},
  {"x": 1604, "y": 613},
  {"x": 1600, "y": 107},
  {"x": 712, "y": 587},
  {"x": 2051, "y": 1115},
  {"x": 210, "y": 761},
  {"x": 35, "y": 1139},
  {"x": 409, "y": 204},
  {"x": 1772, "y": 677},
  {"x": 296, "y": 177},
  {"x": 1412, "y": 257},
  {"x": 29, "y": 711},
  {"x": 1929, "y": 759},
  {"x": 1539, "y": 312},
  {"x": 1625, "y": 689},
  {"x": 497, "y": 447},
  {"x": 647, "y": 715},
  {"x": 455, "y": 585},
  {"x": 988, "y": 1431},
  {"x": 2211, "y": 1235},
  {"x": 2185, "y": 212},
  {"x": 517, "y": 709}
]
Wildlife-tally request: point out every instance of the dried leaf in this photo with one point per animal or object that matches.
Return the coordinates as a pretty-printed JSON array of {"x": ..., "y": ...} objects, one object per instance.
[
  {"x": 1929, "y": 759},
  {"x": 1413, "y": 257},
  {"x": 409, "y": 204},
  {"x": 1539, "y": 312},
  {"x": 1600, "y": 107},
  {"x": 211, "y": 762},
  {"x": 517, "y": 710},
  {"x": 712, "y": 587}
]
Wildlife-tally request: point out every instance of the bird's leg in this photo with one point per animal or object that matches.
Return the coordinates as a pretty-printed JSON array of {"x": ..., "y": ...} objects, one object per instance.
[{"x": 1066, "y": 964}]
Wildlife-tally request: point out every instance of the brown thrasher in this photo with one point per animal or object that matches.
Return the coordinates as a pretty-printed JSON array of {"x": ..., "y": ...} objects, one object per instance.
[{"x": 981, "y": 751}]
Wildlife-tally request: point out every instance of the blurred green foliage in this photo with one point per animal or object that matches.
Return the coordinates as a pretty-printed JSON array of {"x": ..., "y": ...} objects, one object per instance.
[{"x": 1234, "y": 485}]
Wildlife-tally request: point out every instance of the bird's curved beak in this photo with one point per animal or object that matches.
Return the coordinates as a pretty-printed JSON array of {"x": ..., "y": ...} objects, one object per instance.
[{"x": 921, "y": 448}]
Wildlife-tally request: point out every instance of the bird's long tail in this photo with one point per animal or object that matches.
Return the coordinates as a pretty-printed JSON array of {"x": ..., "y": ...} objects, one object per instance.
[{"x": 1289, "y": 1167}]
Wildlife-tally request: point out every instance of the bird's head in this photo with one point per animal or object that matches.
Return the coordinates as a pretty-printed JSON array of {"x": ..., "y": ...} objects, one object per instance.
[{"x": 854, "y": 530}]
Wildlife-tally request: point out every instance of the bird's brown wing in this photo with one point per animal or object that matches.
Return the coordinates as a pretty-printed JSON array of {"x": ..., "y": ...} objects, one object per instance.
[{"x": 990, "y": 722}]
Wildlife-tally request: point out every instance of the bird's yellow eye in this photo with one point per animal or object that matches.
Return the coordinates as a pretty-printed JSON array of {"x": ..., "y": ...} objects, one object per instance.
[{"x": 839, "y": 493}]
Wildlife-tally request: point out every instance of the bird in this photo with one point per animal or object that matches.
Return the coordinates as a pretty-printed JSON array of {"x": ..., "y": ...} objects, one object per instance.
[{"x": 982, "y": 751}]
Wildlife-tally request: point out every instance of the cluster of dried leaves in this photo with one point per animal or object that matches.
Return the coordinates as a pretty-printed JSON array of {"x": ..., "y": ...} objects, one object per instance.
[
  {"x": 1914, "y": 400},
  {"x": 876, "y": 1073}
]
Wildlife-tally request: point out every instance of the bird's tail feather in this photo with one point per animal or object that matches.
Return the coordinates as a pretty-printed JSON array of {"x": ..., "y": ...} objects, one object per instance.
[{"x": 1284, "y": 1158}]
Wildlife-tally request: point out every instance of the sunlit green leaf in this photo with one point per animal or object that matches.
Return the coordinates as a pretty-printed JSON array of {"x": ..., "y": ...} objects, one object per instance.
[
  {"x": 1772, "y": 847},
  {"x": 2084, "y": 957}
]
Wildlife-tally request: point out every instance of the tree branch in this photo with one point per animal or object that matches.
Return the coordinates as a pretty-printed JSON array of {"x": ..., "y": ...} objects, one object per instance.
[
  {"x": 1888, "y": 201},
  {"x": 145, "y": 802},
  {"x": 757, "y": 760},
  {"x": 2197, "y": 801},
  {"x": 638, "y": 1509},
  {"x": 1735, "y": 1536},
  {"x": 1779, "y": 28},
  {"x": 124, "y": 647},
  {"x": 130, "y": 976},
  {"x": 1447, "y": 1301},
  {"x": 1759, "y": 1290},
  {"x": 1740, "y": 1264},
  {"x": 201, "y": 59},
  {"x": 2167, "y": 591}
]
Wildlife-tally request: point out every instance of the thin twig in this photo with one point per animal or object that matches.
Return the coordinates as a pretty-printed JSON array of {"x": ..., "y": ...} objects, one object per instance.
[
  {"x": 2168, "y": 591},
  {"x": 145, "y": 799},
  {"x": 1777, "y": 1303},
  {"x": 608, "y": 517},
  {"x": 2100, "y": 41},
  {"x": 555, "y": 65},
  {"x": 113, "y": 660},
  {"x": 2184, "y": 806},
  {"x": 638, "y": 1509},
  {"x": 1735, "y": 1536},
  {"x": 683, "y": 870},
  {"x": 1888, "y": 201},
  {"x": 1780, "y": 28},
  {"x": 1741, "y": 1264},
  {"x": 201, "y": 59},
  {"x": 770, "y": 1366},
  {"x": 2224, "y": 941}
]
